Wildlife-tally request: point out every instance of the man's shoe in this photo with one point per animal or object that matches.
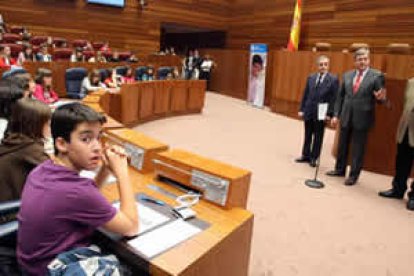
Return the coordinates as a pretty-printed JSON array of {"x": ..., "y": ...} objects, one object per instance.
[
  {"x": 302, "y": 159},
  {"x": 350, "y": 181},
  {"x": 410, "y": 204},
  {"x": 312, "y": 163},
  {"x": 335, "y": 173},
  {"x": 391, "y": 193}
]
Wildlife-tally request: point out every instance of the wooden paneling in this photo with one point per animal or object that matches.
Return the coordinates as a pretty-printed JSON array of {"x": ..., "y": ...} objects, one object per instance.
[
  {"x": 127, "y": 28},
  {"x": 341, "y": 22}
]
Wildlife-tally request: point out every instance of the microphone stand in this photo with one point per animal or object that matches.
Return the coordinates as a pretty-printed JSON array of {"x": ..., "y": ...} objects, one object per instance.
[{"x": 315, "y": 183}]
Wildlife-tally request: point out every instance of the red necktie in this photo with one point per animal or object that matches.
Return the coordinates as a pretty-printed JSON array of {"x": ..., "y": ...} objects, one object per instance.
[{"x": 357, "y": 82}]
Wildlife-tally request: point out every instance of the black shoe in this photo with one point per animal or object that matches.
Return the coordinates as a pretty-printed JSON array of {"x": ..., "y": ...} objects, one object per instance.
[
  {"x": 391, "y": 193},
  {"x": 410, "y": 204},
  {"x": 302, "y": 159},
  {"x": 350, "y": 181},
  {"x": 312, "y": 163},
  {"x": 335, "y": 173}
]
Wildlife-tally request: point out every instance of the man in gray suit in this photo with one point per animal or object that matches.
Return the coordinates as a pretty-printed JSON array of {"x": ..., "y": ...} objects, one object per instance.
[
  {"x": 355, "y": 106},
  {"x": 405, "y": 151}
]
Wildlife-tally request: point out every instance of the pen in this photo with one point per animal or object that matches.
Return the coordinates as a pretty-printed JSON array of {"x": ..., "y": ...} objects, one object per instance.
[{"x": 152, "y": 200}]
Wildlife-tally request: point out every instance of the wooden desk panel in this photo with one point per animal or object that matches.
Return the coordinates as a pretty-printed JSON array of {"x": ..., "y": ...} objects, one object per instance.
[
  {"x": 130, "y": 101},
  {"x": 162, "y": 98},
  {"x": 179, "y": 95},
  {"x": 196, "y": 95},
  {"x": 146, "y": 102}
]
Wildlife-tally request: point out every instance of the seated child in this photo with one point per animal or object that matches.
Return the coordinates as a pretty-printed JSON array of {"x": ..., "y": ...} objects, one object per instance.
[{"x": 60, "y": 209}]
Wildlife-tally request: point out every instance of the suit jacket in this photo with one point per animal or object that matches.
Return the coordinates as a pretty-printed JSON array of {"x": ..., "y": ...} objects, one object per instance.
[
  {"x": 358, "y": 110},
  {"x": 407, "y": 118},
  {"x": 324, "y": 93}
]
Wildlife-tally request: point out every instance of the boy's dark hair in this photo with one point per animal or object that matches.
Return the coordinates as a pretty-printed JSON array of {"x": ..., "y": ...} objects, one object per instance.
[
  {"x": 29, "y": 116},
  {"x": 67, "y": 117},
  {"x": 257, "y": 59}
]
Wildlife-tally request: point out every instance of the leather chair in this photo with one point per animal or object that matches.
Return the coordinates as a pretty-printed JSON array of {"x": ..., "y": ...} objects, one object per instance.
[
  {"x": 97, "y": 45},
  {"x": 11, "y": 38},
  {"x": 74, "y": 78},
  {"x": 139, "y": 71},
  {"x": 163, "y": 72},
  {"x": 104, "y": 74},
  {"x": 88, "y": 54},
  {"x": 79, "y": 43},
  {"x": 38, "y": 40},
  {"x": 58, "y": 42},
  {"x": 121, "y": 70},
  {"x": 62, "y": 54},
  {"x": 8, "y": 234},
  {"x": 16, "y": 29},
  {"x": 124, "y": 56}
]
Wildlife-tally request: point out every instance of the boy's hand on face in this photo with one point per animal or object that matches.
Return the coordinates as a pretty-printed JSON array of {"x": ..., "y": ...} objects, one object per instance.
[{"x": 116, "y": 159}]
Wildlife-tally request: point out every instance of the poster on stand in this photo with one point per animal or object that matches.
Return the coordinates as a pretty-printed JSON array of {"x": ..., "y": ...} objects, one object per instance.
[{"x": 257, "y": 75}]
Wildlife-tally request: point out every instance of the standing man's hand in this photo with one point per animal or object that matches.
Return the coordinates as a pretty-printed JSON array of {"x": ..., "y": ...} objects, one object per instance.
[
  {"x": 300, "y": 114},
  {"x": 380, "y": 95},
  {"x": 334, "y": 122}
]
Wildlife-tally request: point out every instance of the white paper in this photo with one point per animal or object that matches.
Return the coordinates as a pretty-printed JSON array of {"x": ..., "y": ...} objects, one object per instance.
[
  {"x": 322, "y": 111},
  {"x": 92, "y": 174},
  {"x": 164, "y": 238},
  {"x": 148, "y": 218}
]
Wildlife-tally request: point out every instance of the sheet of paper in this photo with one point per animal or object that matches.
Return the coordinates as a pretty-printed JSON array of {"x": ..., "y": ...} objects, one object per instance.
[
  {"x": 91, "y": 174},
  {"x": 163, "y": 238},
  {"x": 322, "y": 111},
  {"x": 148, "y": 218}
]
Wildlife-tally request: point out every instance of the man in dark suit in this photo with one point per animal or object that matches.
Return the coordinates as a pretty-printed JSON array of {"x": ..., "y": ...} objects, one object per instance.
[
  {"x": 320, "y": 88},
  {"x": 405, "y": 151},
  {"x": 355, "y": 106}
]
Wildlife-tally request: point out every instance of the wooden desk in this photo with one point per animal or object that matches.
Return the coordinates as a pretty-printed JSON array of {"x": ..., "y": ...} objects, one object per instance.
[
  {"x": 221, "y": 249},
  {"x": 59, "y": 68},
  {"x": 150, "y": 100}
]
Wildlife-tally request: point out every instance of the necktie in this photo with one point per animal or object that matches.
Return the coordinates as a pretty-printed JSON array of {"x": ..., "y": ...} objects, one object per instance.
[{"x": 357, "y": 82}]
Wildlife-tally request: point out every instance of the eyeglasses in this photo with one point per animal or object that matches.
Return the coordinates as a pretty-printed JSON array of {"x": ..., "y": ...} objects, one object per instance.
[{"x": 323, "y": 63}]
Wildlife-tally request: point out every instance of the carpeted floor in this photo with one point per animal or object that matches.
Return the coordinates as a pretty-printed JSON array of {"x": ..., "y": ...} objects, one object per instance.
[{"x": 338, "y": 230}]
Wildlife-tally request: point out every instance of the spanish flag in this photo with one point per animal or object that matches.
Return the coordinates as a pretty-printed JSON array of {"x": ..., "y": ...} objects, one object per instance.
[{"x": 295, "y": 29}]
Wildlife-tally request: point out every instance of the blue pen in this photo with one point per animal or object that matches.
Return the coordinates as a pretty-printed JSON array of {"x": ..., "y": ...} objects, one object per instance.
[{"x": 152, "y": 200}]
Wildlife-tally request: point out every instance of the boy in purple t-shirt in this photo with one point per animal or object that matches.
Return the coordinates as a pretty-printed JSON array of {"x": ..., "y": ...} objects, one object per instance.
[{"x": 60, "y": 209}]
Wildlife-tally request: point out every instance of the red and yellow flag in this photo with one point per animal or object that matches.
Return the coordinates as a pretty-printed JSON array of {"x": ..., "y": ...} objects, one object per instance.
[{"x": 295, "y": 29}]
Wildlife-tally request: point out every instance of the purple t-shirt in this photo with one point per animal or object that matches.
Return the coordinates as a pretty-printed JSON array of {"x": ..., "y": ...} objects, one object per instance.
[{"x": 59, "y": 211}]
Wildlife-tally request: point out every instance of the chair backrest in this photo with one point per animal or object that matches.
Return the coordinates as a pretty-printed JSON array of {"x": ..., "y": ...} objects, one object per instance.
[
  {"x": 97, "y": 45},
  {"x": 107, "y": 55},
  {"x": 399, "y": 48},
  {"x": 104, "y": 74},
  {"x": 62, "y": 54},
  {"x": 8, "y": 237},
  {"x": 79, "y": 43},
  {"x": 74, "y": 78},
  {"x": 38, "y": 40},
  {"x": 124, "y": 56},
  {"x": 139, "y": 71},
  {"x": 88, "y": 54},
  {"x": 121, "y": 70},
  {"x": 163, "y": 72},
  {"x": 59, "y": 41},
  {"x": 16, "y": 29},
  {"x": 11, "y": 38}
]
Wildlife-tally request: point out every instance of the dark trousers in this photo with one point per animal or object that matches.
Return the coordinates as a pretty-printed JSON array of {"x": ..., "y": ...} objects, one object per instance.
[
  {"x": 205, "y": 76},
  {"x": 359, "y": 140},
  {"x": 403, "y": 164},
  {"x": 312, "y": 145}
]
